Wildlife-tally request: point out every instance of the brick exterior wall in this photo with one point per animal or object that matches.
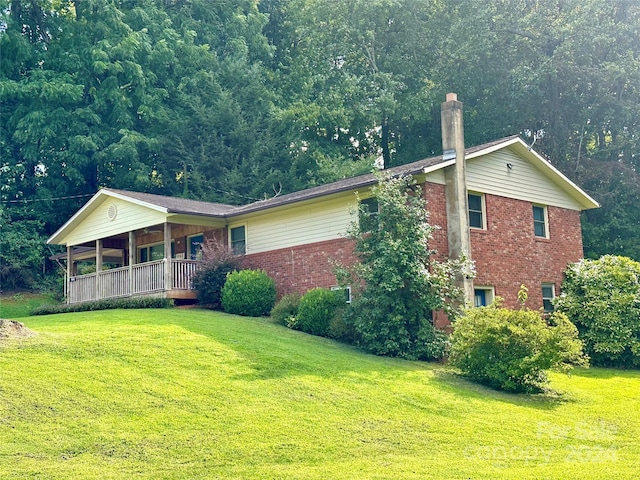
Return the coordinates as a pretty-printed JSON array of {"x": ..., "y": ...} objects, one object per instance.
[
  {"x": 507, "y": 254},
  {"x": 301, "y": 268}
]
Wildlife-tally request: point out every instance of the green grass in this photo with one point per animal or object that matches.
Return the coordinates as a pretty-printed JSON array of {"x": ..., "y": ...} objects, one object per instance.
[
  {"x": 21, "y": 304},
  {"x": 198, "y": 394}
]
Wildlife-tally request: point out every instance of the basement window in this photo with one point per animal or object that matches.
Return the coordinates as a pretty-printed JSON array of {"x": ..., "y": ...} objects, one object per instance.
[
  {"x": 476, "y": 210},
  {"x": 548, "y": 294},
  {"x": 482, "y": 296},
  {"x": 346, "y": 291},
  {"x": 238, "y": 240}
]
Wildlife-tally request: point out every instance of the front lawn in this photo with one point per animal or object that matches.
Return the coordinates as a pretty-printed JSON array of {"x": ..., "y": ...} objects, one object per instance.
[
  {"x": 190, "y": 394},
  {"x": 21, "y": 304}
]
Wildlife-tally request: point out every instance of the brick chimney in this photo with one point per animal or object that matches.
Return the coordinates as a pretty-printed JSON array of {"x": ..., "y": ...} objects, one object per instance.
[{"x": 456, "y": 187}]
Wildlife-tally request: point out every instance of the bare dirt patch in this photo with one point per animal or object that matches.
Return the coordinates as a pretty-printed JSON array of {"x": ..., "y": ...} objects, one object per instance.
[{"x": 14, "y": 329}]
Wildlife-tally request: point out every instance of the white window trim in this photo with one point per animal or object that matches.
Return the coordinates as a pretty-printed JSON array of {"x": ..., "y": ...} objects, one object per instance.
[
  {"x": 483, "y": 206},
  {"x": 553, "y": 294},
  {"x": 246, "y": 236},
  {"x": 490, "y": 293},
  {"x": 546, "y": 220},
  {"x": 335, "y": 288}
]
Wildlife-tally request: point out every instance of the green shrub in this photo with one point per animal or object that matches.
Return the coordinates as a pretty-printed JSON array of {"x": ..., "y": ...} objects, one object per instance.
[
  {"x": 249, "y": 292},
  {"x": 404, "y": 331},
  {"x": 317, "y": 309},
  {"x": 286, "y": 308},
  {"x": 511, "y": 349},
  {"x": 107, "y": 304},
  {"x": 402, "y": 281},
  {"x": 217, "y": 260},
  {"x": 602, "y": 298}
]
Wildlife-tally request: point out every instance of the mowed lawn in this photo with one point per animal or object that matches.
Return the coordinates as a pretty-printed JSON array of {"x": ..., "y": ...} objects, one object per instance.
[{"x": 198, "y": 394}]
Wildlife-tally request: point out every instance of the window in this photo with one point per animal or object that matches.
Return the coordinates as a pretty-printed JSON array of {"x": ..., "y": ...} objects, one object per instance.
[
  {"x": 482, "y": 296},
  {"x": 195, "y": 246},
  {"x": 345, "y": 290},
  {"x": 548, "y": 294},
  {"x": 540, "y": 221},
  {"x": 238, "y": 240},
  {"x": 476, "y": 210},
  {"x": 368, "y": 214},
  {"x": 149, "y": 253}
]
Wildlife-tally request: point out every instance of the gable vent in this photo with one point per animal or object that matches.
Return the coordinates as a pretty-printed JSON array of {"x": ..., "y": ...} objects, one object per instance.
[{"x": 112, "y": 212}]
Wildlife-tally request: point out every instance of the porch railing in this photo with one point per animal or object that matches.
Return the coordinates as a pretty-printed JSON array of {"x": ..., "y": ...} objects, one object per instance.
[{"x": 140, "y": 279}]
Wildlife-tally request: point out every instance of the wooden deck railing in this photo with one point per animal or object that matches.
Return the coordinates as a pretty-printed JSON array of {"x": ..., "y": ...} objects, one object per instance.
[{"x": 140, "y": 279}]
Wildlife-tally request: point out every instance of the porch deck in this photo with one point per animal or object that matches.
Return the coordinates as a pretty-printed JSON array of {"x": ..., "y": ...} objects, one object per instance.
[{"x": 150, "y": 278}]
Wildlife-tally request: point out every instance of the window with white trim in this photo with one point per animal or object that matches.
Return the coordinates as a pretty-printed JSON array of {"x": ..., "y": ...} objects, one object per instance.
[
  {"x": 548, "y": 294},
  {"x": 540, "y": 221},
  {"x": 476, "y": 210},
  {"x": 482, "y": 296},
  {"x": 238, "y": 239},
  {"x": 345, "y": 290}
]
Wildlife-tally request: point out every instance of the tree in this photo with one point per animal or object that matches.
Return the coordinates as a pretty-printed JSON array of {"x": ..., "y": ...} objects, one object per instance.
[
  {"x": 401, "y": 281},
  {"x": 602, "y": 297}
]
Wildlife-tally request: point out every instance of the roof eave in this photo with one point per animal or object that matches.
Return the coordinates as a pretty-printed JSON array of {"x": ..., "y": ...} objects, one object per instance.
[{"x": 59, "y": 234}]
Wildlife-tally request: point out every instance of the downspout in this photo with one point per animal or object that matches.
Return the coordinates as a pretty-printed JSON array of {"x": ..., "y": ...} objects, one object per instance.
[{"x": 458, "y": 236}]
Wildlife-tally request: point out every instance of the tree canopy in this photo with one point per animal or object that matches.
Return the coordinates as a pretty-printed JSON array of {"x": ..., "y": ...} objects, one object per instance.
[{"x": 231, "y": 101}]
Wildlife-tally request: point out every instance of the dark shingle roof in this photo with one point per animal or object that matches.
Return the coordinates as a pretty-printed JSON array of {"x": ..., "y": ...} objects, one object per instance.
[
  {"x": 195, "y": 207},
  {"x": 178, "y": 205}
]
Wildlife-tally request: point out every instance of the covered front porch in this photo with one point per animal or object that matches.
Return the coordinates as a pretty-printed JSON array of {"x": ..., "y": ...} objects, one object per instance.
[
  {"x": 127, "y": 244},
  {"x": 169, "y": 278},
  {"x": 137, "y": 267}
]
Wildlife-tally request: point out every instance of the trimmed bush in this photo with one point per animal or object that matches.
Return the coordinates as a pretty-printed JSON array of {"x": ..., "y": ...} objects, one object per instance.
[
  {"x": 108, "y": 304},
  {"x": 602, "y": 298},
  {"x": 249, "y": 292},
  {"x": 318, "y": 308},
  {"x": 286, "y": 308},
  {"x": 511, "y": 349}
]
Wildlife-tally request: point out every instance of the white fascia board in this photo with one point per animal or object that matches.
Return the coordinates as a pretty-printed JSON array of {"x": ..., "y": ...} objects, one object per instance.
[
  {"x": 495, "y": 148},
  {"x": 88, "y": 207},
  {"x": 582, "y": 197},
  {"x": 439, "y": 166},
  {"x": 134, "y": 201}
]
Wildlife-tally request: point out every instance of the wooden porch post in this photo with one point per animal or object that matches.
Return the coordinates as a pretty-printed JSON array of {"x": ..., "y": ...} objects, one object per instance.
[
  {"x": 69, "y": 272},
  {"x": 132, "y": 259},
  {"x": 98, "y": 267},
  {"x": 168, "y": 273}
]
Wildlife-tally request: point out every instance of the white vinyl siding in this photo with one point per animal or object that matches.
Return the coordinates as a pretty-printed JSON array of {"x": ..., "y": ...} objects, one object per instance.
[
  {"x": 316, "y": 222},
  {"x": 523, "y": 181},
  {"x": 129, "y": 217}
]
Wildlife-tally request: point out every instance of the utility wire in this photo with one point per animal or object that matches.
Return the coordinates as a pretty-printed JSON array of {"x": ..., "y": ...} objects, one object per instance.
[{"x": 29, "y": 200}]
